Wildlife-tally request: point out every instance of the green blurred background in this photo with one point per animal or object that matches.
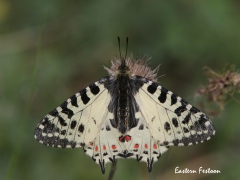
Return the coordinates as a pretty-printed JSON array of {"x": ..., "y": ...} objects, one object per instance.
[{"x": 49, "y": 50}]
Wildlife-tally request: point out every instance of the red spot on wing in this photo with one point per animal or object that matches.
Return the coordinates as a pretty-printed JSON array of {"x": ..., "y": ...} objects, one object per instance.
[
  {"x": 155, "y": 146},
  {"x": 91, "y": 143},
  {"x": 136, "y": 146},
  {"x": 96, "y": 148},
  {"x": 146, "y": 146},
  {"x": 125, "y": 138},
  {"x": 128, "y": 138},
  {"x": 104, "y": 147},
  {"x": 114, "y": 147},
  {"x": 121, "y": 139}
]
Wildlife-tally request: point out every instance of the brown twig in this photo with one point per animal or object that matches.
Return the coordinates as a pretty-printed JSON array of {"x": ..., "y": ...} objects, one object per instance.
[{"x": 112, "y": 170}]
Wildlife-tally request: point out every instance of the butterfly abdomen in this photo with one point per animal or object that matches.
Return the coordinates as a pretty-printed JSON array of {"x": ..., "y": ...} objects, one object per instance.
[{"x": 123, "y": 109}]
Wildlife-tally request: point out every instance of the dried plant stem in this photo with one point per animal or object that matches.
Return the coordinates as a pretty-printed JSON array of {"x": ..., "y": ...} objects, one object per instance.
[{"x": 113, "y": 169}]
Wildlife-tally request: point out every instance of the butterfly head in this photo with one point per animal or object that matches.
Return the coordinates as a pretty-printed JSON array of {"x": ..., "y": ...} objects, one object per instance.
[
  {"x": 123, "y": 68},
  {"x": 130, "y": 67}
]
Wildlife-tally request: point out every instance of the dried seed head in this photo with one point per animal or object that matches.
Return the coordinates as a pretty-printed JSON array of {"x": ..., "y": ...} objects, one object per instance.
[
  {"x": 220, "y": 85},
  {"x": 137, "y": 67}
]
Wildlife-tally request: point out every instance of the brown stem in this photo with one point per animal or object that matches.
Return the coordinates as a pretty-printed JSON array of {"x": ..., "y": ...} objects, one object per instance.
[{"x": 112, "y": 170}]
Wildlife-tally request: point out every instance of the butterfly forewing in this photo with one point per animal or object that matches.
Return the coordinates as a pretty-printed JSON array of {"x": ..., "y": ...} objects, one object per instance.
[
  {"x": 76, "y": 122},
  {"x": 172, "y": 121}
]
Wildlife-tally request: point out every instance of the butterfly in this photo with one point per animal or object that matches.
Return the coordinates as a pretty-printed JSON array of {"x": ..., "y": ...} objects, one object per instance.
[{"x": 124, "y": 115}]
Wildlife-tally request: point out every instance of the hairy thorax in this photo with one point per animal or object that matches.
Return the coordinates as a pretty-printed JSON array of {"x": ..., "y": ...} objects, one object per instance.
[{"x": 123, "y": 104}]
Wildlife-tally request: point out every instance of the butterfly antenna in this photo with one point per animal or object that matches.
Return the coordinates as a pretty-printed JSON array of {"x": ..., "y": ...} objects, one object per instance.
[
  {"x": 119, "y": 46},
  {"x": 126, "y": 48}
]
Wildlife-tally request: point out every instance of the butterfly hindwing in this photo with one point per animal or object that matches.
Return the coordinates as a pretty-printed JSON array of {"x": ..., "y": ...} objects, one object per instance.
[
  {"x": 77, "y": 121},
  {"x": 105, "y": 147},
  {"x": 142, "y": 145},
  {"x": 171, "y": 120}
]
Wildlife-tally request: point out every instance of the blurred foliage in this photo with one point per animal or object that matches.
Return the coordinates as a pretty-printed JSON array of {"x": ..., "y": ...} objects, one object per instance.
[{"x": 49, "y": 50}]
